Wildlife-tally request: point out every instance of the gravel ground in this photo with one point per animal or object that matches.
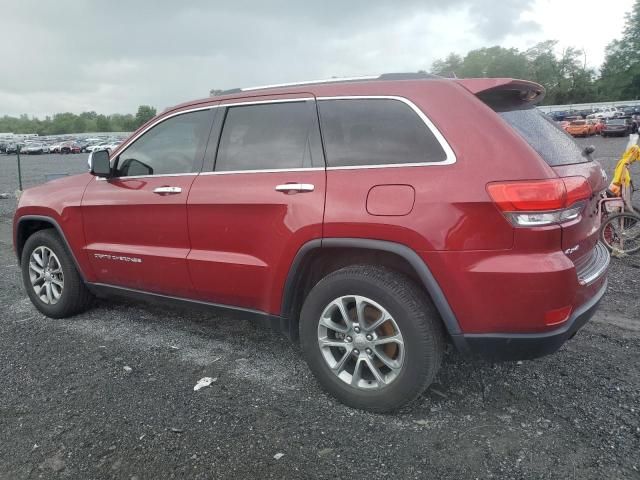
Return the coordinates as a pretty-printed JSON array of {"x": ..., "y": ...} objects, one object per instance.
[{"x": 70, "y": 409}]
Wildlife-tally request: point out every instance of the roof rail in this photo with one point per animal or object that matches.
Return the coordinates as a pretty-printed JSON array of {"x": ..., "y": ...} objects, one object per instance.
[{"x": 384, "y": 76}]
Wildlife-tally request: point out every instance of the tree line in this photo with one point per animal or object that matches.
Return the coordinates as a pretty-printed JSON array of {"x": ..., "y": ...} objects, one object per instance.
[
  {"x": 565, "y": 75},
  {"x": 85, "y": 122}
]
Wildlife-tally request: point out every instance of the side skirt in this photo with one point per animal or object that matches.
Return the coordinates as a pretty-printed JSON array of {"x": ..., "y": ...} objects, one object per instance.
[{"x": 275, "y": 322}]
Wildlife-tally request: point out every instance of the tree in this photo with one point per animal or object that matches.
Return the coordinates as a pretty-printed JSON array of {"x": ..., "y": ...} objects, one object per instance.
[
  {"x": 565, "y": 77},
  {"x": 145, "y": 113},
  {"x": 103, "y": 124},
  {"x": 449, "y": 67},
  {"x": 620, "y": 73}
]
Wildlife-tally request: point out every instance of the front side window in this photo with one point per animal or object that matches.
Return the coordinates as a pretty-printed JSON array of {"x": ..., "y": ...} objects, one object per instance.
[
  {"x": 360, "y": 132},
  {"x": 282, "y": 135},
  {"x": 173, "y": 146}
]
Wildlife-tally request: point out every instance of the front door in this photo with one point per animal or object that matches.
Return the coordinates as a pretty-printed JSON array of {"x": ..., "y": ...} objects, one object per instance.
[
  {"x": 135, "y": 223},
  {"x": 263, "y": 199}
]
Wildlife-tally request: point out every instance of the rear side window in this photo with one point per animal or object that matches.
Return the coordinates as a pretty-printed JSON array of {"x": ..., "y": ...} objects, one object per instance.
[
  {"x": 358, "y": 132},
  {"x": 270, "y": 136},
  {"x": 554, "y": 145}
]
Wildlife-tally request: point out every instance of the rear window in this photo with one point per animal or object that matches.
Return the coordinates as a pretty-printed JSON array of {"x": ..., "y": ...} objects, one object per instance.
[
  {"x": 359, "y": 132},
  {"x": 545, "y": 137},
  {"x": 616, "y": 122},
  {"x": 578, "y": 122}
]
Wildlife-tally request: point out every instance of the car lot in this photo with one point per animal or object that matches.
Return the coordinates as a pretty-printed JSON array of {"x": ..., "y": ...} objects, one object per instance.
[{"x": 69, "y": 408}]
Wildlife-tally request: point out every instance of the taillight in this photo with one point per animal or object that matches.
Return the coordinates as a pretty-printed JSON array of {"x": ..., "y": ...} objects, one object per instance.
[{"x": 535, "y": 203}]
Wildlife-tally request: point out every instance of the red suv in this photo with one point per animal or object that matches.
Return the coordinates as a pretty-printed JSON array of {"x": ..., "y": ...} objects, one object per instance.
[{"x": 373, "y": 219}]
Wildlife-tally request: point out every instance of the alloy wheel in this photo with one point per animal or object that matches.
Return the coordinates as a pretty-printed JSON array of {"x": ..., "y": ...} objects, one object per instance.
[
  {"x": 45, "y": 273},
  {"x": 361, "y": 342}
]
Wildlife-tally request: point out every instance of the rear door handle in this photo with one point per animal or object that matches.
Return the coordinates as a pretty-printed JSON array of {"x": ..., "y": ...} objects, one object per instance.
[
  {"x": 167, "y": 190},
  {"x": 295, "y": 187}
]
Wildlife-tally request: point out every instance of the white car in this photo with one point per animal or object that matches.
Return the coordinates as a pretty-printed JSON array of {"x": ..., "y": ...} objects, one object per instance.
[
  {"x": 607, "y": 112},
  {"x": 99, "y": 146},
  {"x": 111, "y": 147}
]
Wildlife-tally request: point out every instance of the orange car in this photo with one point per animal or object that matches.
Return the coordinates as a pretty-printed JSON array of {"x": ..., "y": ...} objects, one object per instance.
[{"x": 581, "y": 128}]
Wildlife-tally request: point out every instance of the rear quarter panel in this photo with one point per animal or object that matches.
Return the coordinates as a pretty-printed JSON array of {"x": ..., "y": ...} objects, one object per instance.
[{"x": 452, "y": 210}]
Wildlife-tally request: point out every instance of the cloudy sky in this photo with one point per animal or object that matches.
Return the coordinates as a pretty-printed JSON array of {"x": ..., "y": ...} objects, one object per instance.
[{"x": 111, "y": 56}]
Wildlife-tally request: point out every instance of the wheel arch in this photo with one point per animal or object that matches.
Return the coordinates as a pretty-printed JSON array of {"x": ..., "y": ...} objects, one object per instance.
[
  {"x": 27, "y": 225},
  {"x": 300, "y": 278}
]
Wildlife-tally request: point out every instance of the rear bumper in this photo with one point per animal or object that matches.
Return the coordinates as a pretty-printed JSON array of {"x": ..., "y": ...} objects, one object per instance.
[{"x": 523, "y": 346}]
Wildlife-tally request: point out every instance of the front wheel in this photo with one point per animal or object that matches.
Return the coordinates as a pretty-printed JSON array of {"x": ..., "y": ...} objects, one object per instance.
[
  {"x": 371, "y": 337},
  {"x": 50, "y": 276},
  {"x": 621, "y": 233}
]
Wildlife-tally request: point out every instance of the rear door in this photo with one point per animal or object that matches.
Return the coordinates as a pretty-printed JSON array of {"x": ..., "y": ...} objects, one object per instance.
[
  {"x": 260, "y": 201},
  {"x": 135, "y": 223}
]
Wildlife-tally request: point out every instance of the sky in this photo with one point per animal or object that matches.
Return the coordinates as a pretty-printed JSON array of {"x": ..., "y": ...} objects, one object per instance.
[{"x": 111, "y": 56}]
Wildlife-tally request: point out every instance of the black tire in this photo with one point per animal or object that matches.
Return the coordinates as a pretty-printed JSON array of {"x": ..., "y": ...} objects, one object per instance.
[
  {"x": 75, "y": 297},
  {"x": 608, "y": 235},
  {"x": 412, "y": 311}
]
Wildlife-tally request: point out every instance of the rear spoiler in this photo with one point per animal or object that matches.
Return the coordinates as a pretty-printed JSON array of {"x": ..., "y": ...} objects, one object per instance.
[{"x": 504, "y": 94}]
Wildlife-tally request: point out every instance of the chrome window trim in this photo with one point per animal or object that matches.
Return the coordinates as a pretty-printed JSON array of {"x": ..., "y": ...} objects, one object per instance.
[
  {"x": 126, "y": 145},
  {"x": 133, "y": 177},
  {"x": 266, "y": 170},
  {"x": 232, "y": 103},
  {"x": 449, "y": 159},
  {"x": 121, "y": 149},
  {"x": 450, "y": 156}
]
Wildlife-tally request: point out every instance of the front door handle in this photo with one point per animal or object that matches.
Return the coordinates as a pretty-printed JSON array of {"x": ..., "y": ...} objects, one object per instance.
[
  {"x": 295, "y": 187},
  {"x": 167, "y": 190}
]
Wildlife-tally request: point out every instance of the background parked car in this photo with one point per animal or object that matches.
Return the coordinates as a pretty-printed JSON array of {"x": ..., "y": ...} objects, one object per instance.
[
  {"x": 581, "y": 128},
  {"x": 99, "y": 146},
  {"x": 13, "y": 147},
  {"x": 615, "y": 127},
  {"x": 70, "y": 147},
  {"x": 598, "y": 124},
  {"x": 33, "y": 149},
  {"x": 607, "y": 112}
]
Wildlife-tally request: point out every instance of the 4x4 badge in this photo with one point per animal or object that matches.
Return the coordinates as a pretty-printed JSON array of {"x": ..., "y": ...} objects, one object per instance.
[{"x": 569, "y": 251}]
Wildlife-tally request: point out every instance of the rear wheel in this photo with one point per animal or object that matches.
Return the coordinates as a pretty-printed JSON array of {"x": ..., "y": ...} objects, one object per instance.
[
  {"x": 50, "y": 276},
  {"x": 621, "y": 233},
  {"x": 371, "y": 337}
]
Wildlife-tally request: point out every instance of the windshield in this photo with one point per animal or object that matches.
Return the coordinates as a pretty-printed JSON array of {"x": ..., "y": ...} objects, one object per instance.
[
  {"x": 545, "y": 137},
  {"x": 616, "y": 122}
]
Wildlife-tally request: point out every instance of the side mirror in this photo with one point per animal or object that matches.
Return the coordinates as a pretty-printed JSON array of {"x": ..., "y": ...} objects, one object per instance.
[
  {"x": 100, "y": 165},
  {"x": 588, "y": 150}
]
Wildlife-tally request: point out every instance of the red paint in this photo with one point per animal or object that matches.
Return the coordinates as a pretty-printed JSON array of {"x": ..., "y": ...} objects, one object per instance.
[
  {"x": 391, "y": 200},
  {"x": 123, "y": 217},
  {"x": 231, "y": 238},
  {"x": 244, "y": 234}
]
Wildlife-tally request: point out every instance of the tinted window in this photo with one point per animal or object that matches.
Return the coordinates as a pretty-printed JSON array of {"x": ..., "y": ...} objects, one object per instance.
[
  {"x": 375, "y": 132},
  {"x": 270, "y": 136},
  {"x": 545, "y": 137},
  {"x": 172, "y": 146}
]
